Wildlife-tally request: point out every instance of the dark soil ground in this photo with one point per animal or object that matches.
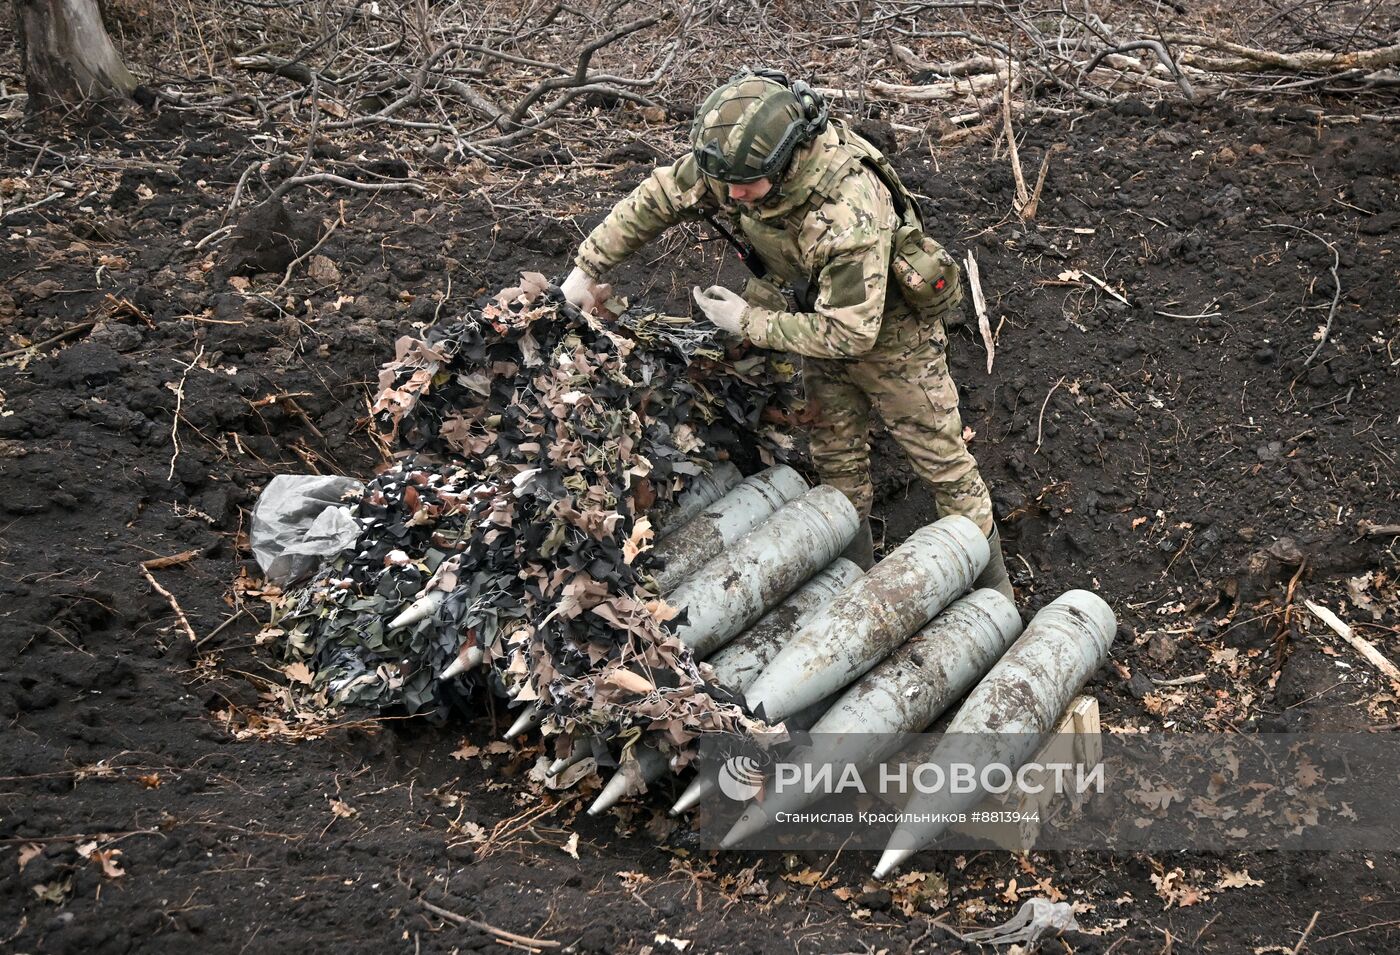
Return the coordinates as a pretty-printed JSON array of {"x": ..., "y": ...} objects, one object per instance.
[{"x": 1182, "y": 467}]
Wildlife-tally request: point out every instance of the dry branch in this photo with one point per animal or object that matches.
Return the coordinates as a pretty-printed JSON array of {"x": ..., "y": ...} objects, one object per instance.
[
  {"x": 180, "y": 617},
  {"x": 1358, "y": 643},
  {"x": 1249, "y": 59}
]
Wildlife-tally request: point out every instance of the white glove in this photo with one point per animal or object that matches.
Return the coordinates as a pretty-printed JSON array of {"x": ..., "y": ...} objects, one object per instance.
[
  {"x": 584, "y": 292},
  {"x": 722, "y": 307}
]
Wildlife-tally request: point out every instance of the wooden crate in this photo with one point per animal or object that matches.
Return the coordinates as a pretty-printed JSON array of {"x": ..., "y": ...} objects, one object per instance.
[{"x": 1076, "y": 741}]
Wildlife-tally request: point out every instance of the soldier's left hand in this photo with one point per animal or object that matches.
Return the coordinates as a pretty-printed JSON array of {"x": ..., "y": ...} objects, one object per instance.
[{"x": 722, "y": 307}]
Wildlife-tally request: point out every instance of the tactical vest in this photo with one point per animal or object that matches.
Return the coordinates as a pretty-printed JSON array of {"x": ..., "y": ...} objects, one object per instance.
[{"x": 922, "y": 270}]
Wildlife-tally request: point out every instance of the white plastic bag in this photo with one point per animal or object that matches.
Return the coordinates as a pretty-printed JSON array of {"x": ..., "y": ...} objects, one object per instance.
[
  {"x": 299, "y": 521},
  {"x": 1037, "y": 919}
]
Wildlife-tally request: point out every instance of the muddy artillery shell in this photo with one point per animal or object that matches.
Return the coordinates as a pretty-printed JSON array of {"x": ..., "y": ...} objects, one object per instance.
[
  {"x": 724, "y": 522},
  {"x": 872, "y": 617},
  {"x": 740, "y": 663},
  {"x": 904, "y": 694},
  {"x": 771, "y": 561},
  {"x": 1007, "y": 715},
  {"x": 652, "y": 765},
  {"x": 581, "y": 750},
  {"x": 734, "y": 667},
  {"x": 702, "y": 492}
]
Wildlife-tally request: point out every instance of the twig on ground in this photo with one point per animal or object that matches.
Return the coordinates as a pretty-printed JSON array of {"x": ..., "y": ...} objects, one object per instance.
[
  {"x": 221, "y": 627},
  {"x": 1182, "y": 680},
  {"x": 331, "y": 179},
  {"x": 1023, "y": 196},
  {"x": 1306, "y": 932},
  {"x": 180, "y": 617},
  {"x": 498, "y": 932},
  {"x": 1040, "y": 421},
  {"x": 1104, "y": 285},
  {"x": 33, "y": 205},
  {"x": 62, "y": 336},
  {"x": 1028, "y": 213},
  {"x": 179, "y": 390},
  {"x": 979, "y": 305},
  {"x": 1358, "y": 643},
  {"x": 287, "y": 276},
  {"x": 174, "y": 560}
]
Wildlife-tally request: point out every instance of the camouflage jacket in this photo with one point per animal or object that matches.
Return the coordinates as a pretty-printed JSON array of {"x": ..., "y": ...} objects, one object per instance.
[{"x": 832, "y": 225}]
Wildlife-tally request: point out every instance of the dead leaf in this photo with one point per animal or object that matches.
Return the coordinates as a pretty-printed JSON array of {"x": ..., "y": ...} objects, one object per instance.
[
  {"x": 467, "y": 750},
  {"x": 343, "y": 809},
  {"x": 298, "y": 673},
  {"x": 638, "y": 541},
  {"x": 805, "y": 877},
  {"x": 151, "y": 781},
  {"x": 627, "y": 681},
  {"x": 1173, "y": 889},
  {"x": 571, "y": 847},
  {"x": 323, "y": 271},
  {"x": 27, "y": 853},
  {"x": 473, "y": 832},
  {"x": 106, "y": 858},
  {"x": 53, "y": 892},
  {"x": 1237, "y": 880}
]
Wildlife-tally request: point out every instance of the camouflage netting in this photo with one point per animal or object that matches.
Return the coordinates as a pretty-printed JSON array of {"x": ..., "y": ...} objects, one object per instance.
[{"x": 537, "y": 446}]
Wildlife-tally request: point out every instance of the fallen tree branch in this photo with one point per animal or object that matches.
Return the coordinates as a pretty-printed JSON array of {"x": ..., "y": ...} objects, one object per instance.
[
  {"x": 331, "y": 179},
  {"x": 1162, "y": 56},
  {"x": 288, "y": 69},
  {"x": 1249, "y": 59},
  {"x": 580, "y": 75}
]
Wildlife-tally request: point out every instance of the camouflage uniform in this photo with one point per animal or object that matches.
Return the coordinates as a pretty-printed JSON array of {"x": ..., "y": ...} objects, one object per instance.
[{"x": 831, "y": 223}]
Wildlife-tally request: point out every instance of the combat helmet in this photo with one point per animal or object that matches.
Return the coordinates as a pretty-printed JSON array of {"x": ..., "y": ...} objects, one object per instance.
[{"x": 749, "y": 128}]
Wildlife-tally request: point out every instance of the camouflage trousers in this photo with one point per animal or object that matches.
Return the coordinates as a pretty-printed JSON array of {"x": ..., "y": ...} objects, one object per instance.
[{"x": 905, "y": 380}]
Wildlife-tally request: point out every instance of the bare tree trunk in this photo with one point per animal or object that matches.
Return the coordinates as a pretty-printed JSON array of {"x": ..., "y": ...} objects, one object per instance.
[{"x": 69, "y": 60}]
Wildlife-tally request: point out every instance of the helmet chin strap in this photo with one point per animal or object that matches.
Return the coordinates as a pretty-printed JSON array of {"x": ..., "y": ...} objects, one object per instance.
[{"x": 780, "y": 179}]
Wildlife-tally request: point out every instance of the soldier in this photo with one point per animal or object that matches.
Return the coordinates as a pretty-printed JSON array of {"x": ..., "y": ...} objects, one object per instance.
[{"x": 825, "y": 214}]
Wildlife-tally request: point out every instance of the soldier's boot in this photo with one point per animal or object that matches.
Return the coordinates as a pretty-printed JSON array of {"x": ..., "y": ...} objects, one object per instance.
[
  {"x": 861, "y": 550},
  {"x": 994, "y": 574}
]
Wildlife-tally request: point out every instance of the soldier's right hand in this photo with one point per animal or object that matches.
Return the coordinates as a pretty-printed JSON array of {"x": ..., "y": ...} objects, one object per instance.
[{"x": 584, "y": 292}]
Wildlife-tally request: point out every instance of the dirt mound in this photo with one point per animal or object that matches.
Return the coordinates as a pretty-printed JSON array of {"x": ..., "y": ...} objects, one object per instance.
[{"x": 1150, "y": 444}]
